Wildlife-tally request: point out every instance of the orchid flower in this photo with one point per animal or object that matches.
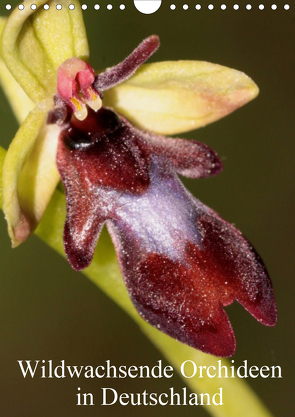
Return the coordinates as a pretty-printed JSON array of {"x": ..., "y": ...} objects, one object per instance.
[{"x": 103, "y": 133}]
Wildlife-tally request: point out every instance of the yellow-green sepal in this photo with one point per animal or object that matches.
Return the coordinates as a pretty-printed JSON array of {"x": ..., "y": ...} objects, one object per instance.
[
  {"x": 29, "y": 173},
  {"x": 36, "y": 42},
  {"x": 18, "y": 99},
  {"x": 174, "y": 97}
]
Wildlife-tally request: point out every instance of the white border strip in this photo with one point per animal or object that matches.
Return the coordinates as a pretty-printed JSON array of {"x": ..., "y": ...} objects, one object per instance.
[{"x": 172, "y": 6}]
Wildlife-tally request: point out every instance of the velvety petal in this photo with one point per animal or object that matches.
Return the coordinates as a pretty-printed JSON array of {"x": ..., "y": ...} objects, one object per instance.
[
  {"x": 35, "y": 43},
  {"x": 107, "y": 152},
  {"x": 189, "y": 158},
  {"x": 126, "y": 68},
  {"x": 172, "y": 297},
  {"x": 82, "y": 227},
  {"x": 174, "y": 97},
  {"x": 19, "y": 101},
  {"x": 237, "y": 259},
  {"x": 84, "y": 217},
  {"x": 29, "y": 173},
  {"x": 97, "y": 152},
  {"x": 182, "y": 263}
]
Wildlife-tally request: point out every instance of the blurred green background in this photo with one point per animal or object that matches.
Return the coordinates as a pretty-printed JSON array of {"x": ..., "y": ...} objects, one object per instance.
[{"x": 48, "y": 311}]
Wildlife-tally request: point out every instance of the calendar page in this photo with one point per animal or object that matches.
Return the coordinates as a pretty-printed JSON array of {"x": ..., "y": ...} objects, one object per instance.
[{"x": 147, "y": 222}]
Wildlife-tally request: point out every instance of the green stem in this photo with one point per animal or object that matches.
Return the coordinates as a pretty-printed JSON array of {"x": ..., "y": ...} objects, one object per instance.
[{"x": 238, "y": 398}]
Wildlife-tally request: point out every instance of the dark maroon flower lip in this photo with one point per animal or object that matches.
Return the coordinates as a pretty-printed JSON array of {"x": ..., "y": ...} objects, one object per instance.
[{"x": 181, "y": 262}]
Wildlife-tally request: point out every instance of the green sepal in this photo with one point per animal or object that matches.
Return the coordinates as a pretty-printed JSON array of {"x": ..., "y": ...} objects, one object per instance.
[
  {"x": 18, "y": 99},
  {"x": 35, "y": 43},
  {"x": 29, "y": 173},
  {"x": 174, "y": 97}
]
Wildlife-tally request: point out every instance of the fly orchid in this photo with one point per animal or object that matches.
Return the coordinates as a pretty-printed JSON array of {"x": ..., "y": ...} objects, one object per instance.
[{"x": 181, "y": 262}]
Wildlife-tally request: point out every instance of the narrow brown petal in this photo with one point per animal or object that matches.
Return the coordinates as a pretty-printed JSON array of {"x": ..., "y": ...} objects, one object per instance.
[
  {"x": 189, "y": 158},
  {"x": 126, "y": 68}
]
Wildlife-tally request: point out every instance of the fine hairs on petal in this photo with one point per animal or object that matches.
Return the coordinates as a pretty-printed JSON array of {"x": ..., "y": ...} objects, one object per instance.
[
  {"x": 121, "y": 72},
  {"x": 181, "y": 262}
]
